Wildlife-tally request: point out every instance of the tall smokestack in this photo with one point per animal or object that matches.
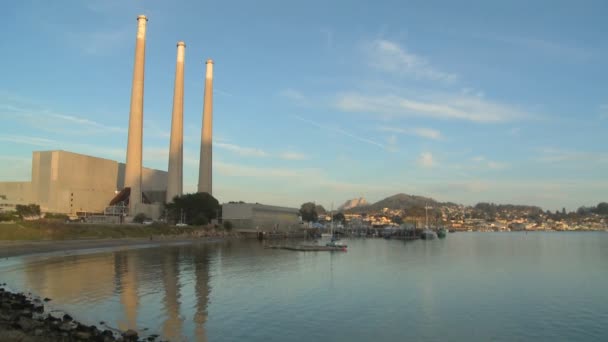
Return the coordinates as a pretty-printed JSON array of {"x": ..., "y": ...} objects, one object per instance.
[
  {"x": 176, "y": 144},
  {"x": 204, "y": 171},
  {"x": 136, "y": 117}
]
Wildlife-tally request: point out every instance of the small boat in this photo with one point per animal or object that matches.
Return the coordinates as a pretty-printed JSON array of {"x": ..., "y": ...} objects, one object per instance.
[
  {"x": 428, "y": 234},
  {"x": 336, "y": 243},
  {"x": 441, "y": 233}
]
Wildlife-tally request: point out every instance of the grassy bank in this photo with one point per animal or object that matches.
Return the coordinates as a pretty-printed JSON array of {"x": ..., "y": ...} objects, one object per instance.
[{"x": 58, "y": 230}]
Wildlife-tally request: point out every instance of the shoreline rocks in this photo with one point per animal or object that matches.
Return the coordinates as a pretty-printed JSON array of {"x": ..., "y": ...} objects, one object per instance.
[{"x": 23, "y": 319}]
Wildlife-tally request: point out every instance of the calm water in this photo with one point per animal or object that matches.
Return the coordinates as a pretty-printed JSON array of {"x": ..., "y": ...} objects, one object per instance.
[{"x": 470, "y": 286}]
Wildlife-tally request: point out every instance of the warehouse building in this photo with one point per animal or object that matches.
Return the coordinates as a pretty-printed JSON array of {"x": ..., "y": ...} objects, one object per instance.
[{"x": 257, "y": 217}]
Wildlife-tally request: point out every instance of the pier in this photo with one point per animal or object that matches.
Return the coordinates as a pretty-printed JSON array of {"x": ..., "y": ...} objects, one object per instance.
[{"x": 306, "y": 248}]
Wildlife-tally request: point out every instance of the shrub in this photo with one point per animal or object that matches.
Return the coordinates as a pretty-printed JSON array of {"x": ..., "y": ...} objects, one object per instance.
[
  {"x": 54, "y": 216},
  {"x": 8, "y": 216},
  {"x": 200, "y": 220},
  {"x": 228, "y": 225},
  {"x": 140, "y": 218}
]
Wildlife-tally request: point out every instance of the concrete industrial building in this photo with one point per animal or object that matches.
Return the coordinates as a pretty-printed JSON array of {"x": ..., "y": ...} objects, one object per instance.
[
  {"x": 255, "y": 217},
  {"x": 72, "y": 183}
]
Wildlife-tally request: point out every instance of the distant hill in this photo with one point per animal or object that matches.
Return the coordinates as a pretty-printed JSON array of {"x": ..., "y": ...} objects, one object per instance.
[
  {"x": 417, "y": 203},
  {"x": 396, "y": 202},
  {"x": 353, "y": 203}
]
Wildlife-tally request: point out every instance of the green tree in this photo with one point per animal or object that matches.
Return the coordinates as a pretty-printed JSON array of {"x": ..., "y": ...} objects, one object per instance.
[
  {"x": 308, "y": 211},
  {"x": 320, "y": 210},
  {"x": 602, "y": 208},
  {"x": 8, "y": 216},
  {"x": 198, "y": 208},
  {"x": 140, "y": 218},
  {"x": 27, "y": 210},
  {"x": 339, "y": 217},
  {"x": 228, "y": 225}
]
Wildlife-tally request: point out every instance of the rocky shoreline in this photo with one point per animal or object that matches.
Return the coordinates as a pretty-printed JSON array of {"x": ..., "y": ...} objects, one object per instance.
[{"x": 23, "y": 318}]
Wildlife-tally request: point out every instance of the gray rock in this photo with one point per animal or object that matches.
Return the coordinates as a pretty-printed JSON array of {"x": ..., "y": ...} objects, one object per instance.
[
  {"x": 67, "y": 326},
  {"x": 130, "y": 335},
  {"x": 82, "y": 335},
  {"x": 28, "y": 324}
]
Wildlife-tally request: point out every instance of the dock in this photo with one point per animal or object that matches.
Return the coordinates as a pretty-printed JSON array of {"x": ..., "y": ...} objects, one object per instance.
[{"x": 307, "y": 248}]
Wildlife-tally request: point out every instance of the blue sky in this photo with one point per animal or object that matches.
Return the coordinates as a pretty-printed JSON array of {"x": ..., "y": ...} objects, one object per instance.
[{"x": 322, "y": 101}]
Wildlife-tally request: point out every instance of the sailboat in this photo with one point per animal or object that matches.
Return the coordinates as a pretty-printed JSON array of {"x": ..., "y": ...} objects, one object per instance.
[
  {"x": 427, "y": 234},
  {"x": 335, "y": 242}
]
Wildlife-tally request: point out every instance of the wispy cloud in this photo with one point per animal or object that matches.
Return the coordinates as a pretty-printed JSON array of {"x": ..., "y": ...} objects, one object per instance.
[
  {"x": 241, "y": 150},
  {"x": 340, "y": 131},
  {"x": 422, "y": 132},
  {"x": 540, "y": 45},
  {"x": 460, "y": 107},
  {"x": 426, "y": 160},
  {"x": 223, "y": 92},
  {"x": 481, "y": 161},
  {"x": 51, "y": 121},
  {"x": 100, "y": 43},
  {"x": 86, "y": 122},
  {"x": 557, "y": 155},
  {"x": 28, "y": 140},
  {"x": 390, "y": 57},
  {"x": 293, "y": 95},
  {"x": 259, "y": 153},
  {"x": 242, "y": 170},
  {"x": 293, "y": 156},
  {"x": 51, "y": 144}
]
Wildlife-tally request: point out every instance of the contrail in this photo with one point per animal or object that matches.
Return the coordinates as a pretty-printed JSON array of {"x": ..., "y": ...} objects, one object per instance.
[{"x": 340, "y": 131}]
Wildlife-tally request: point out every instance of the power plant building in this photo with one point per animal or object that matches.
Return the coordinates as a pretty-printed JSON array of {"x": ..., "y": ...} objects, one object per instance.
[
  {"x": 76, "y": 184},
  {"x": 73, "y": 184}
]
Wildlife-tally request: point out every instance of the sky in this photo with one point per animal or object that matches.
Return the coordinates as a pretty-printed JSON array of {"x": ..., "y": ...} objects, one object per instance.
[{"x": 468, "y": 101}]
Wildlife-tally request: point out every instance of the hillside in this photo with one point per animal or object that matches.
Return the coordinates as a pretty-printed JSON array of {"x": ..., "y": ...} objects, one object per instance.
[
  {"x": 395, "y": 202},
  {"x": 353, "y": 203}
]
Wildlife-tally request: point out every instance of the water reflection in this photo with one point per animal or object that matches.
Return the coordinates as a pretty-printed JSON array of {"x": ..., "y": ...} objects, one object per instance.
[
  {"x": 137, "y": 287},
  {"x": 468, "y": 286},
  {"x": 202, "y": 290},
  {"x": 126, "y": 286},
  {"x": 170, "y": 278}
]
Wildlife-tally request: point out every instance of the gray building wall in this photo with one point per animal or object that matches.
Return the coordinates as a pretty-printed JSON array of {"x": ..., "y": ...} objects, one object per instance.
[
  {"x": 13, "y": 193},
  {"x": 260, "y": 217},
  {"x": 67, "y": 182}
]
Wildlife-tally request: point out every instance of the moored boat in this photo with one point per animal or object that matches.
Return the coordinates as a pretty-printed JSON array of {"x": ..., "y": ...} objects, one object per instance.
[
  {"x": 428, "y": 234},
  {"x": 441, "y": 233},
  {"x": 336, "y": 243}
]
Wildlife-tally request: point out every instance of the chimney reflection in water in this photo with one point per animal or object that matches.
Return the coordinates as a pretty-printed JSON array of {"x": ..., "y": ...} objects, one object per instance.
[
  {"x": 201, "y": 273},
  {"x": 170, "y": 276},
  {"x": 128, "y": 283}
]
